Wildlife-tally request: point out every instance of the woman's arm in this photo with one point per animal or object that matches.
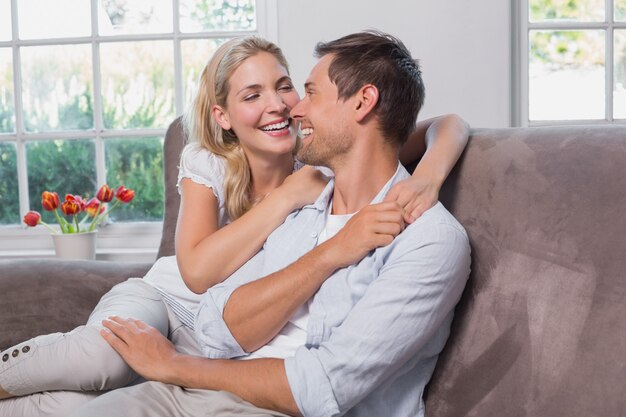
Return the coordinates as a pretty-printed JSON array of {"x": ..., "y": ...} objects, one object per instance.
[
  {"x": 207, "y": 255},
  {"x": 439, "y": 142}
]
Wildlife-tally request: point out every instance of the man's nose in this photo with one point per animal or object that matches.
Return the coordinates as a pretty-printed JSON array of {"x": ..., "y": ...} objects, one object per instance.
[{"x": 298, "y": 111}]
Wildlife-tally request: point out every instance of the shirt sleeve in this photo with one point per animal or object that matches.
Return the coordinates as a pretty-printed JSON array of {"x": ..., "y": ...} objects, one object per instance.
[
  {"x": 408, "y": 304},
  {"x": 213, "y": 335},
  {"x": 204, "y": 168}
]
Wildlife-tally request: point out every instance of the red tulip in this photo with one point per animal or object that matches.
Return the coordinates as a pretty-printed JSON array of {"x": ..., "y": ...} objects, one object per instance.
[
  {"x": 73, "y": 205},
  {"x": 92, "y": 209},
  {"x": 50, "y": 201},
  {"x": 32, "y": 218},
  {"x": 124, "y": 194},
  {"x": 105, "y": 194}
]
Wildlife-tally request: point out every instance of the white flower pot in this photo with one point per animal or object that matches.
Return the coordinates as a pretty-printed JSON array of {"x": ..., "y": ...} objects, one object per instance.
[{"x": 75, "y": 245}]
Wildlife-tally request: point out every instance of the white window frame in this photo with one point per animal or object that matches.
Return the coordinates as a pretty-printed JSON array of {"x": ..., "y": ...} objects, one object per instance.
[
  {"x": 137, "y": 241},
  {"x": 520, "y": 71}
]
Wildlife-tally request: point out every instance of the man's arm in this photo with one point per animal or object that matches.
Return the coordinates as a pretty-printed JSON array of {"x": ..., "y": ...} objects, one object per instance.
[
  {"x": 255, "y": 312},
  {"x": 262, "y": 382}
]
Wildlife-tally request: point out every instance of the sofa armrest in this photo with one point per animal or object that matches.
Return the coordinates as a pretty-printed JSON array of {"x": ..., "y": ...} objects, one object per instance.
[{"x": 46, "y": 296}]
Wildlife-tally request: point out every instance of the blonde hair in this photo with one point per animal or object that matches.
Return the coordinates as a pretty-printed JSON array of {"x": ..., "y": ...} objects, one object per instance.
[{"x": 202, "y": 128}]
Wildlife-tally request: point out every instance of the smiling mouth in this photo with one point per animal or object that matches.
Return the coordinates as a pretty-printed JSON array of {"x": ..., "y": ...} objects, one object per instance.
[
  {"x": 276, "y": 127},
  {"x": 306, "y": 132}
]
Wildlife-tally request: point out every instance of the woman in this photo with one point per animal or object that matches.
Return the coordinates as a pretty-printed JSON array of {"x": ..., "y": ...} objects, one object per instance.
[{"x": 237, "y": 185}]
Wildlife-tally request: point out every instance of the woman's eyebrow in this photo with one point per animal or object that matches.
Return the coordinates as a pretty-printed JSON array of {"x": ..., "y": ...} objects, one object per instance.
[
  {"x": 250, "y": 87},
  {"x": 283, "y": 79}
]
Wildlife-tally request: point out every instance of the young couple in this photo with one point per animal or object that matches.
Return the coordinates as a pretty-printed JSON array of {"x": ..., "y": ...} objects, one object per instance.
[{"x": 306, "y": 297}]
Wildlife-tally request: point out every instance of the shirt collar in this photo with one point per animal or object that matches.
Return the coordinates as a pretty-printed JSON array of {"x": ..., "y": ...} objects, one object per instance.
[{"x": 323, "y": 200}]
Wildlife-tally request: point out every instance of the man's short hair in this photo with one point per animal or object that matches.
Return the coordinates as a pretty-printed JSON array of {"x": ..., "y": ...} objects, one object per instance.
[{"x": 377, "y": 58}]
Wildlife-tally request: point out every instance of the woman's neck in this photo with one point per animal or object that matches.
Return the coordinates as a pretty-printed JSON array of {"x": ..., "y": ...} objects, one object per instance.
[{"x": 268, "y": 173}]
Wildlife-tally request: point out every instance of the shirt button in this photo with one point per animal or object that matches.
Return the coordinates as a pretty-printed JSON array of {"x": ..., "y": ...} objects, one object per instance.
[
  {"x": 15, "y": 353},
  {"x": 5, "y": 357},
  {"x": 25, "y": 349},
  {"x": 314, "y": 234}
]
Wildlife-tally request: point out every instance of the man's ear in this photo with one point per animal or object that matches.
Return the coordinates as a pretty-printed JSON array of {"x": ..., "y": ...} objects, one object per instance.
[
  {"x": 221, "y": 117},
  {"x": 367, "y": 98}
]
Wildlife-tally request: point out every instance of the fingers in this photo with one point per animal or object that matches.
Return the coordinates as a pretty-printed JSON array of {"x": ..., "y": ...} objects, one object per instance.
[
  {"x": 116, "y": 343},
  {"x": 124, "y": 328}
]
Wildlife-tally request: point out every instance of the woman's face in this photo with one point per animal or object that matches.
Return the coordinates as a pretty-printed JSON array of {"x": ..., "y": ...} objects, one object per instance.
[{"x": 260, "y": 97}]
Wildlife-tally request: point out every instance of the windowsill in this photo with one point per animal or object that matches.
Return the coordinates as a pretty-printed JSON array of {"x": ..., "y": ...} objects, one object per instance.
[{"x": 132, "y": 242}]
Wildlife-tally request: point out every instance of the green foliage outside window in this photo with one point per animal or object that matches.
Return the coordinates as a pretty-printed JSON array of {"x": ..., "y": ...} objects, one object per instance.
[
  {"x": 137, "y": 163},
  {"x": 64, "y": 166},
  {"x": 68, "y": 166}
]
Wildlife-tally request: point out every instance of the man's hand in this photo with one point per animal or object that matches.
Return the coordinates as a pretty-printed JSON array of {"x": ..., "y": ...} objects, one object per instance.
[
  {"x": 372, "y": 227},
  {"x": 415, "y": 195},
  {"x": 141, "y": 346}
]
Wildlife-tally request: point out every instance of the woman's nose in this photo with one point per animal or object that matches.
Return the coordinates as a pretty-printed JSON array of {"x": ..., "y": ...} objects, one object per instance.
[{"x": 276, "y": 103}]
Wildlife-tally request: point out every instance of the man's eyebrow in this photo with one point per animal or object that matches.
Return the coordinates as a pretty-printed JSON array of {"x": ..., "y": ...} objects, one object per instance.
[{"x": 309, "y": 84}]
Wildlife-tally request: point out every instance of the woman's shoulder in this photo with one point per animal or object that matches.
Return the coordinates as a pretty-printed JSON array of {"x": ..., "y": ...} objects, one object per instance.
[{"x": 197, "y": 158}]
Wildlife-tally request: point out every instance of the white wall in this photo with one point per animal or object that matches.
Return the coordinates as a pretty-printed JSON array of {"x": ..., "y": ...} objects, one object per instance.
[{"x": 463, "y": 46}]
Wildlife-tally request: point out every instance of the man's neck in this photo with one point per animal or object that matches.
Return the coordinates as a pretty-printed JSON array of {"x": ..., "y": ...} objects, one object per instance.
[{"x": 360, "y": 176}]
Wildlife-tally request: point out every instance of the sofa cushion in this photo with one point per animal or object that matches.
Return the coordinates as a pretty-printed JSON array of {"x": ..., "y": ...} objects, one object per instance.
[{"x": 45, "y": 296}]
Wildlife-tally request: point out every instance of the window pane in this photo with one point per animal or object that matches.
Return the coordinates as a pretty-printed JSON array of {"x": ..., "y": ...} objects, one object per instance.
[
  {"x": 44, "y": 19},
  {"x": 5, "y": 20},
  {"x": 137, "y": 163},
  {"x": 620, "y": 10},
  {"x": 196, "y": 53},
  {"x": 566, "y": 75},
  {"x": 619, "y": 89},
  {"x": 137, "y": 84},
  {"x": 577, "y": 10},
  {"x": 7, "y": 111},
  {"x": 64, "y": 166},
  {"x": 130, "y": 16},
  {"x": 9, "y": 198},
  {"x": 207, "y": 15},
  {"x": 57, "y": 87}
]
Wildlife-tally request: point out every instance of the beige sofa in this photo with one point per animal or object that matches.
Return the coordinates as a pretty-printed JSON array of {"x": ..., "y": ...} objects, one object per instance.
[{"x": 541, "y": 327}]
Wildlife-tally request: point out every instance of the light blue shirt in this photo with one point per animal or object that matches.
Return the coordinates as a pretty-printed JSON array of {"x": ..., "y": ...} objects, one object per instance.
[{"x": 375, "y": 329}]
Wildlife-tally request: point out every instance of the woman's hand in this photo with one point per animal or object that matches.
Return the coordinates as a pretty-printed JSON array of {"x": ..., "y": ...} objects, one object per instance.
[
  {"x": 415, "y": 195},
  {"x": 303, "y": 186},
  {"x": 141, "y": 346}
]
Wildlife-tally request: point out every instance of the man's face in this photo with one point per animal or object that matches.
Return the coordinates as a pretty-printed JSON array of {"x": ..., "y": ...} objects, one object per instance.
[{"x": 324, "y": 120}]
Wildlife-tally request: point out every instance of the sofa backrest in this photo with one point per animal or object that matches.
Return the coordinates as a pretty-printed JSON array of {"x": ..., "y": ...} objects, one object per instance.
[
  {"x": 173, "y": 144},
  {"x": 541, "y": 327}
]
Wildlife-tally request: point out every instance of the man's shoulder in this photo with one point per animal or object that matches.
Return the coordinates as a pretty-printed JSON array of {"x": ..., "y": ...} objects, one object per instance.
[
  {"x": 439, "y": 216},
  {"x": 435, "y": 224}
]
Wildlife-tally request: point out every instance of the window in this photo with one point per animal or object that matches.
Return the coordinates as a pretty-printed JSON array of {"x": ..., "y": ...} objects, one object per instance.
[
  {"x": 88, "y": 88},
  {"x": 573, "y": 61}
]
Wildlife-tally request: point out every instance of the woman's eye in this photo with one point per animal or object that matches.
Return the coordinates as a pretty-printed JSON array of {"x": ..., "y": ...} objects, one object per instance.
[
  {"x": 286, "y": 87},
  {"x": 251, "y": 97}
]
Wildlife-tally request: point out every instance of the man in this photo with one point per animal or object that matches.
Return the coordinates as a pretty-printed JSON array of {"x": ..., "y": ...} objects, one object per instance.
[{"x": 344, "y": 313}]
